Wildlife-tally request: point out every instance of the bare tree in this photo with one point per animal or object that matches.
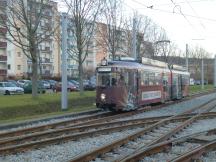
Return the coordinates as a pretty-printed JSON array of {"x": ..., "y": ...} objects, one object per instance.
[
  {"x": 24, "y": 23},
  {"x": 111, "y": 32},
  {"x": 82, "y": 26},
  {"x": 197, "y": 54},
  {"x": 151, "y": 40}
]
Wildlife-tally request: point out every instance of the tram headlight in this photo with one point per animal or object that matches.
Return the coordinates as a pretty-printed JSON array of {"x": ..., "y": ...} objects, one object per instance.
[{"x": 103, "y": 96}]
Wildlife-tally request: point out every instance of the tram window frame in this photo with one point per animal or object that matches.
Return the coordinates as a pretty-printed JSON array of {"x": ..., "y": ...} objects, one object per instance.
[
  {"x": 152, "y": 78},
  {"x": 100, "y": 81},
  {"x": 157, "y": 78},
  {"x": 144, "y": 78}
]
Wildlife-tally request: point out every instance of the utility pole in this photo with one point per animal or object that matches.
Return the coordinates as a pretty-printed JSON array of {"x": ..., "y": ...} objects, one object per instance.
[
  {"x": 187, "y": 57},
  {"x": 215, "y": 72},
  {"x": 64, "y": 95},
  {"x": 134, "y": 38},
  {"x": 202, "y": 75}
]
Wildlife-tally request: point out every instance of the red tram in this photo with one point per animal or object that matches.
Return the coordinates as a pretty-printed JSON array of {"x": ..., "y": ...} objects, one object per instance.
[{"x": 127, "y": 85}]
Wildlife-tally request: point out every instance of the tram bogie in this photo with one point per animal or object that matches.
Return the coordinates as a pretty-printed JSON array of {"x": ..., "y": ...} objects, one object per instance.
[{"x": 127, "y": 85}]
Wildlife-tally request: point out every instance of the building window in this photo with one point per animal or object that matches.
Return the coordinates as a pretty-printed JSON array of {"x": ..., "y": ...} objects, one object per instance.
[
  {"x": 9, "y": 66},
  {"x": 44, "y": 67},
  {"x": 19, "y": 54},
  {"x": 18, "y": 67}
]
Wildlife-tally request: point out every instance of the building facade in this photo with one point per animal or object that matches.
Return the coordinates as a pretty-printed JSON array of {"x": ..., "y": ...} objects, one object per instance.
[
  {"x": 3, "y": 41},
  {"x": 48, "y": 50}
]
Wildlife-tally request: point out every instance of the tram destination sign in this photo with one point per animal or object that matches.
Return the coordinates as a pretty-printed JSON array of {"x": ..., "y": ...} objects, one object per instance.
[
  {"x": 150, "y": 95},
  {"x": 104, "y": 69}
]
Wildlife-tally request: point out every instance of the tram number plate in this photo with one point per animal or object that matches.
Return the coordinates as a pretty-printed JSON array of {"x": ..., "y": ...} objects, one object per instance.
[{"x": 149, "y": 95}]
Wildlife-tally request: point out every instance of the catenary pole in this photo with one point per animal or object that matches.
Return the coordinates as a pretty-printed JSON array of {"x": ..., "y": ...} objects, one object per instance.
[
  {"x": 134, "y": 39},
  {"x": 64, "y": 95},
  {"x": 202, "y": 74},
  {"x": 187, "y": 57},
  {"x": 215, "y": 72}
]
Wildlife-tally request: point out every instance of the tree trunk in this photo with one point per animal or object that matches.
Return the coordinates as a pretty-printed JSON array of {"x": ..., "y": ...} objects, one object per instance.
[
  {"x": 81, "y": 78},
  {"x": 34, "y": 78}
]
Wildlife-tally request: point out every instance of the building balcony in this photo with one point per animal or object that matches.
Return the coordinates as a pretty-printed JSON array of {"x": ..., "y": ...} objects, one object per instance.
[
  {"x": 3, "y": 30},
  {"x": 74, "y": 67},
  {"x": 3, "y": 3},
  {"x": 42, "y": 61},
  {"x": 47, "y": 49},
  {"x": 3, "y": 58},
  {"x": 3, "y": 72},
  {"x": 3, "y": 44}
]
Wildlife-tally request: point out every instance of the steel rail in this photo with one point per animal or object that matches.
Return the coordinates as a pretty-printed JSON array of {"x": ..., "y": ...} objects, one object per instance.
[
  {"x": 164, "y": 146},
  {"x": 8, "y": 149},
  {"x": 72, "y": 122},
  {"x": 131, "y": 157},
  {"x": 93, "y": 154},
  {"x": 195, "y": 153},
  {"x": 85, "y": 120},
  {"x": 142, "y": 122}
]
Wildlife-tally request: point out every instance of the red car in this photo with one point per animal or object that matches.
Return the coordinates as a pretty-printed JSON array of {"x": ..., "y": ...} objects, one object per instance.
[{"x": 70, "y": 87}]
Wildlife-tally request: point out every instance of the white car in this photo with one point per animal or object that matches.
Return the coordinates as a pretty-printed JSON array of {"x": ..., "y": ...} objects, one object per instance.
[
  {"x": 8, "y": 88},
  {"x": 22, "y": 82}
]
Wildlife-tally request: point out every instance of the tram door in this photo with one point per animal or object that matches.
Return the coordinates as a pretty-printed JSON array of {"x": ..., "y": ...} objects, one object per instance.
[
  {"x": 179, "y": 94},
  {"x": 166, "y": 88},
  {"x": 177, "y": 86},
  {"x": 132, "y": 88}
]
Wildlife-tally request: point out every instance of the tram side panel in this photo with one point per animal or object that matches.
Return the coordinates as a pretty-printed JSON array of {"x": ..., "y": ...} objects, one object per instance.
[{"x": 150, "y": 88}]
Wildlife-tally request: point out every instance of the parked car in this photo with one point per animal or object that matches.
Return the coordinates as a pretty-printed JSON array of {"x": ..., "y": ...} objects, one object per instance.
[
  {"x": 14, "y": 82},
  {"x": 52, "y": 83},
  {"x": 22, "y": 82},
  {"x": 70, "y": 87},
  {"x": 197, "y": 82},
  {"x": 45, "y": 83},
  {"x": 8, "y": 88},
  {"x": 76, "y": 83},
  {"x": 87, "y": 85},
  {"x": 192, "y": 81},
  {"x": 28, "y": 87}
]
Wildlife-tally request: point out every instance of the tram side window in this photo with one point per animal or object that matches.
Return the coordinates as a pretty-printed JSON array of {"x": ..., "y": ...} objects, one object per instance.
[
  {"x": 144, "y": 78},
  {"x": 151, "y": 78},
  {"x": 157, "y": 78}
]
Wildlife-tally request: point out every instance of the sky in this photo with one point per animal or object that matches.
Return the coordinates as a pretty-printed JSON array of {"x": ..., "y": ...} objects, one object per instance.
[{"x": 191, "y": 22}]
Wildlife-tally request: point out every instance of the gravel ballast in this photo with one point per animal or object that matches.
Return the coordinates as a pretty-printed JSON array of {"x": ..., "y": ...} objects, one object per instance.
[{"x": 65, "y": 151}]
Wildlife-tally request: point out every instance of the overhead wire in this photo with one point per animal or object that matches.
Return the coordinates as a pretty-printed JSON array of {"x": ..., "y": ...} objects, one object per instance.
[
  {"x": 180, "y": 11},
  {"x": 195, "y": 13},
  {"x": 169, "y": 12},
  {"x": 182, "y": 2}
]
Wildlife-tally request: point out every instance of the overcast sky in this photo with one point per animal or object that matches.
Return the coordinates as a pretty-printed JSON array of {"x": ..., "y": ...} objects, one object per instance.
[{"x": 186, "y": 21}]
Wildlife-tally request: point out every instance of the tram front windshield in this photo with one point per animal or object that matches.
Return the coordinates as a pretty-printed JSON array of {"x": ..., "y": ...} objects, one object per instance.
[{"x": 107, "y": 79}]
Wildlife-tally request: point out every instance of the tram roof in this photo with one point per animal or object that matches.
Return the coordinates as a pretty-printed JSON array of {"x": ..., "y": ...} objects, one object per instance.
[{"x": 137, "y": 65}]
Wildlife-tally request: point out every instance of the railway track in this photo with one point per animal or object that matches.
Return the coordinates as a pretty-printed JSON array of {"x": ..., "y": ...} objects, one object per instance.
[
  {"x": 91, "y": 119},
  {"x": 194, "y": 147},
  {"x": 121, "y": 149},
  {"x": 29, "y": 138}
]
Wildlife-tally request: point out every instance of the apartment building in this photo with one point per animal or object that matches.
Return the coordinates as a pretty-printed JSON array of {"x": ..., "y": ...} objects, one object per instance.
[
  {"x": 49, "y": 49},
  {"x": 89, "y": 64},
  {"x": 3, "y": 41}
]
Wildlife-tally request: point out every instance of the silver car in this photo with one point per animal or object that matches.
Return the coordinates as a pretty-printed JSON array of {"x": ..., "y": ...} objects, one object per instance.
[{"x": 8, "y": 88}]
